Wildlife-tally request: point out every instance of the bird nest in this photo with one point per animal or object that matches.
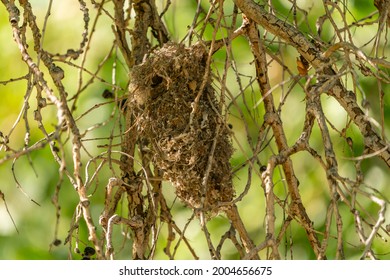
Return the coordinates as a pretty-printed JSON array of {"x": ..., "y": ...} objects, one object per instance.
[{"x": 190, "y": 140}]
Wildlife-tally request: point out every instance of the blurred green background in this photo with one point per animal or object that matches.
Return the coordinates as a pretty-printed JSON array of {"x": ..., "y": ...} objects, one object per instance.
[{"x": 38, "y": 174}]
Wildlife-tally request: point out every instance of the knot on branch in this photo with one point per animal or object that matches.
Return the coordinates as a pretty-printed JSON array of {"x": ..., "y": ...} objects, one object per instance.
[
  {"x": 14, "y": 14},
  {"x": 270, "y": 118}
]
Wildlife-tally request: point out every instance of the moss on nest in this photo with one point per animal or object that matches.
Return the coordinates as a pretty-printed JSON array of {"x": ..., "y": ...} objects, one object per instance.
[{"x": 163, "y": 91}]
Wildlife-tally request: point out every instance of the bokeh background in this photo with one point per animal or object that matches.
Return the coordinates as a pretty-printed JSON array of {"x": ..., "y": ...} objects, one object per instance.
[{"x": 35, "y": 177}]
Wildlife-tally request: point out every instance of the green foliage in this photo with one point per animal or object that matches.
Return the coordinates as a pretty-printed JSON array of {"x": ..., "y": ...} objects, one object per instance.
[{"x": 35, "y": 177}]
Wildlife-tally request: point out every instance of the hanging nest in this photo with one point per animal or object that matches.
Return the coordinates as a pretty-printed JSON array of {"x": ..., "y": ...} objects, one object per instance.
[{"x": 190, "y": 140}]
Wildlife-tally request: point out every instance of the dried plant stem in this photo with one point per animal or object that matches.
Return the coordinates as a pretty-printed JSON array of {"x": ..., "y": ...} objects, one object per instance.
[
  {"x": 309, "y": 51},
  {"x": 273, "y": 119},
  {"x": 235, "y": 219},
  {"x": 195, "y": 114}
]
